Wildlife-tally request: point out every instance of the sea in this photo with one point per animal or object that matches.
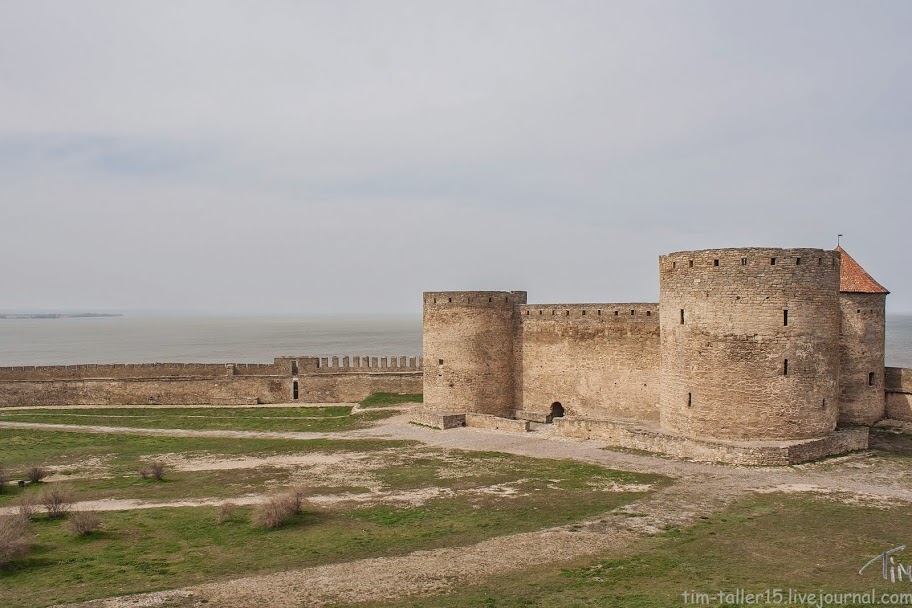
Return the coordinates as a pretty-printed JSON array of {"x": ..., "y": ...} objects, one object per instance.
[{"x": 147, "y": 338}]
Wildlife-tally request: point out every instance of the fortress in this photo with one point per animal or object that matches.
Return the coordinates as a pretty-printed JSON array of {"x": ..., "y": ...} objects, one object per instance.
[
  {"x": 752, "y": 356},
  {"x": 756, "y": 356}
]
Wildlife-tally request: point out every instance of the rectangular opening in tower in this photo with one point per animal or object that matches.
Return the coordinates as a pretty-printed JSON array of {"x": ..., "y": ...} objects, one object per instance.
[
  {"x": 871, "y": 379},
  {"x": 682, "y": 316},
  {"x": 715, "y": 262},
  {"x": 690, "y": 399},
  {"x": 294, "y": 390},
  {"x": 772, "y": 261},
  {"x": 294, "y": 368},
  {"x": 744, "y": 261},
  {"x": 785, "y": 368},
  {"x": 785, "y": 316}
]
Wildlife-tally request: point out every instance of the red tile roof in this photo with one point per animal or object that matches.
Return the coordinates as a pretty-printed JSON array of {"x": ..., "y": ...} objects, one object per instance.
[{"x": 853, "y": 278}]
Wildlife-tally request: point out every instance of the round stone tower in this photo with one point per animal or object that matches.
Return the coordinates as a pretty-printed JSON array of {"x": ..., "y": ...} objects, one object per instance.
[
  {"x": 468, "y": 350},
  {"x": 861, "y": 375},
  {"x": 750, "y": 343}
]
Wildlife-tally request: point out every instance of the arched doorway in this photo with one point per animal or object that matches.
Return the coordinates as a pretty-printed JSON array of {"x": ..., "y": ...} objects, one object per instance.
[{"x": 557, "y": 411}]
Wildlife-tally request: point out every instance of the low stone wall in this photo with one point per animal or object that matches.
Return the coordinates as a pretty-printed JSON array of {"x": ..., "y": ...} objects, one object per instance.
[
  {"x": 233, "y": 390},
  {"x": 438, "y": 420},
  {"x": 898, "y": 386},
  {"x": 747, "y": 453},
  {"x": 351, "y": 387},
  {"x": 325, "y": 388},
  {"x": 485, "y": 421},
  {"x": 530, "y": 416}
]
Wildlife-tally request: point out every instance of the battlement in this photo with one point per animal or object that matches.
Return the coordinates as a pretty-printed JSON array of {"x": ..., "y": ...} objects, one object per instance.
[
  {"x": 474, "y": 298},
  {"x": 626, "y": 312},
  {"x": 348, "y": 364},
  {"x": 751, "y": 260},
  {"x": 282, "y": 366}
]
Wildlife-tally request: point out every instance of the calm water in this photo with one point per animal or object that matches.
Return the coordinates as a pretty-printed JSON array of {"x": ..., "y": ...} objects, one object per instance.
[
  {"x": 200, "y": 339},
  {"x": 250, "y": 339}
]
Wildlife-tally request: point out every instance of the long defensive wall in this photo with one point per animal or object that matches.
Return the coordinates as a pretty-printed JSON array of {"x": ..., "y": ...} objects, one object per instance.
[{"x": 288, "y": 379}]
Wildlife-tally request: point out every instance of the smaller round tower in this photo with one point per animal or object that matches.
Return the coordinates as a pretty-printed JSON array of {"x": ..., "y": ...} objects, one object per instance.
[
  {"x": 468, "y": 350},
  {"x": 862, "y": 302}
]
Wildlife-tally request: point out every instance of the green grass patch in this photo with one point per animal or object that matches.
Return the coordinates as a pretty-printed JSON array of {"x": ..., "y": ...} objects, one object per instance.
[
  {"x": 303, "y": 419},
  {"x": 116, "y": 459},
  {"x": 145, "y": 550},
  {"x": 768, "y": 542},
  {"x": 387, "y": 399}
]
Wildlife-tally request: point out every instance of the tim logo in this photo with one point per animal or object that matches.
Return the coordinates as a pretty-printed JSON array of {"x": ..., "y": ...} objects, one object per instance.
[{"x": 892, "y": 571}]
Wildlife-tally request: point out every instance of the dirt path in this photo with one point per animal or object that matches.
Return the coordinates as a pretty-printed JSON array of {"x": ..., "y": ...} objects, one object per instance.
[
  {"x": 698, "y": 489},
  {"x": 79, "y": 428}
]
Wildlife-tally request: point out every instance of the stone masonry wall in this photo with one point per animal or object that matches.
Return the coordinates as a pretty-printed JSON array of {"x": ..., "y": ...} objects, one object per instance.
[
  {"x": 329, "y": 379},
  {"x": 137, "y": 370},
  {"x": 596, "y": 360},
  {"x": 354, "y": 387},
  {"x": 899, "y": 393},
  {"x": 468, "y": 351},
  {"x": 861, "y": 345},
  {"x": 146, "y": 391},
  {"x": 732, "y": 367}
]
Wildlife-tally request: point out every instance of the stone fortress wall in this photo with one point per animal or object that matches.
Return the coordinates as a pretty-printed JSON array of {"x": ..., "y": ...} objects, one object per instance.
[
  {"x": 287, "y": 379},
  {"x": 898, "y": 383},
  {"x": 596, "y": 360},
  {"x": 752, "y": 355}
]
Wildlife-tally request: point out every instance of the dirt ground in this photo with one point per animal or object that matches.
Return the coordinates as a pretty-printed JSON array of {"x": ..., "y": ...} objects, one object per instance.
[{"x": 698, "y": 489}]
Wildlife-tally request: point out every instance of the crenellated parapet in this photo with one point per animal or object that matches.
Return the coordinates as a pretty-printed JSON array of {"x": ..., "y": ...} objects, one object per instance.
[
  {"x": 625, "y": 312},
  {"x": 340, "y": 364}
]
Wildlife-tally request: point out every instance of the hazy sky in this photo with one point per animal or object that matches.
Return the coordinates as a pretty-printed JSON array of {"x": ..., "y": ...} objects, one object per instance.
[{"x": 345, "y": 156}]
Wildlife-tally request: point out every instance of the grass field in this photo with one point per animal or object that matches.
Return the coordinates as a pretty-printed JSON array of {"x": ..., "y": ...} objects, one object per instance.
[
  {"x": 766, "y": 542},
  {"x": 473, "y": 496},
  {"x": 303, "y": 419}
]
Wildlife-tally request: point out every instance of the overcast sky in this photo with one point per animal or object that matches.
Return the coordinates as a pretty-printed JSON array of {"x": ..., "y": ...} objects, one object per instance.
[{"x": 278, "y": 156}]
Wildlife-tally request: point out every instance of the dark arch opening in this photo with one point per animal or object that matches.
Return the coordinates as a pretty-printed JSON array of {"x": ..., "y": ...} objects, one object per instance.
[{"x": 557, "y": 411}]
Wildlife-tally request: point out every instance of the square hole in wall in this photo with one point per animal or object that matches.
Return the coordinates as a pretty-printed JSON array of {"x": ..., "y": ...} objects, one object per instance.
[
  {"x": 715, "y": 262},
  {"x": 744, "y": 261}
]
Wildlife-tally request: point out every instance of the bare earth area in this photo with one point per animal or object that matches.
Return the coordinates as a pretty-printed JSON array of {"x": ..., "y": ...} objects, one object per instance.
[{"x": 698, "y": 489}]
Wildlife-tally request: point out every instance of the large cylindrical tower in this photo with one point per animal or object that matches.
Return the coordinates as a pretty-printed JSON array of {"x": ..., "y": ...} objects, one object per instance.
[
  {"x": 750, "y": 343},
  {"x": 468, "y": 350}
]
